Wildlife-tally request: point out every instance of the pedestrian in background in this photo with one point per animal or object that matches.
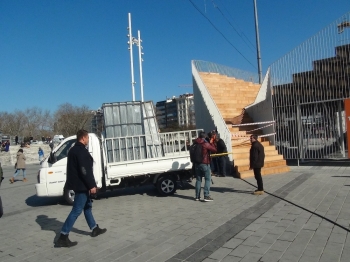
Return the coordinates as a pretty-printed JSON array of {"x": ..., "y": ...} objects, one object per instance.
[
  {"x": 1, "y": 178},
  {"x": 41, "y": 154},
  {"x": 80, "y": 178},
  {"x": 16, "y": 140},
  {"x": 20, "y": 165},
  {"x": 1, "y": 174},
  {"x": 221, "y": 160},
  {"x": 51, "y": 145},
  {"x": 7, "y": 146},
  {"x": 257, "y": 157},
  {"x": 213, "y": 161}
]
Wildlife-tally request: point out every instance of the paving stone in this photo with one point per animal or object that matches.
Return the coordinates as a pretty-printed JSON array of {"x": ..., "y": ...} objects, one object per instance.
[
  {"x": 269, "y": 238},
  {"x": 251, "y": 241},
  {"x": 288, "y": 236},
  {"x": 311, "y": 226},
  {"x": 337, "y": 238},
  {"x": 231, "y": 259},
  {"x": 241, "y": 251},
  {"x": 261, "y": 248},
  {"x": 220, "y": 253},
  {"x": 280, "y": 245},
  {"x": 233, "y": 243},
  {"x": 251, "y": 257},
  {"x": 271, "y": 256}
]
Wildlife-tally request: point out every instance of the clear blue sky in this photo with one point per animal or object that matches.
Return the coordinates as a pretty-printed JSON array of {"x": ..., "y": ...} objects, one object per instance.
[{"x": 75, "y": 51}]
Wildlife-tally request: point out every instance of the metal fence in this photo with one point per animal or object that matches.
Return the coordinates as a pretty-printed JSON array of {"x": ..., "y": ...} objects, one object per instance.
[
  {"x": 308, "y": 87},
  {"x": 131, "y": 148}
]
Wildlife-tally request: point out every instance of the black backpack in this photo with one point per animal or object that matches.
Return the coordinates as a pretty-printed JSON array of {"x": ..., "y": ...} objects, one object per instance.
[{"x": 196, "y": 155}]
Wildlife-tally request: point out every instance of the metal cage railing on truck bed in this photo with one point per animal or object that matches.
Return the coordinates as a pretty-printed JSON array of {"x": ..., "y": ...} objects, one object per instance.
[{"x": 131, "y": 148}]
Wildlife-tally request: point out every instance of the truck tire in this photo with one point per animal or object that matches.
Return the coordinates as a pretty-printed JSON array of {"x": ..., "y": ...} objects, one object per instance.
[
  {"x": 69, "y": 196},
  {"x": 166, "y": 185}
]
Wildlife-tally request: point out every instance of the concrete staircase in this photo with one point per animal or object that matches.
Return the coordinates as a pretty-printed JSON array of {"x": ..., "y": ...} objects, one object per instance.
[{"x": 231, "y": 96}]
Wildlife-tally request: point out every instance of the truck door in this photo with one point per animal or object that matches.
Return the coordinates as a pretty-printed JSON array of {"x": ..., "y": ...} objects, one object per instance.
[{"x": 56, "y": 176}]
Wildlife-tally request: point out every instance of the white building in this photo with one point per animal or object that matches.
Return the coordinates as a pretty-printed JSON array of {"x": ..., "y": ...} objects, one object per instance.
[
  {"x": 178, "y": 110},
  {"x": 185, "y": 110}
]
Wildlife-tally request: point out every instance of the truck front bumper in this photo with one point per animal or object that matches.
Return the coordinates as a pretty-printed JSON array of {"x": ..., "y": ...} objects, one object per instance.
[{"x": 41, "y": 190}]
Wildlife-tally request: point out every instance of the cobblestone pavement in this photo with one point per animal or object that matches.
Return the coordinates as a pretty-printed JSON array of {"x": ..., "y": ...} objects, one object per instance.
[{"x": 304, "y": 216}]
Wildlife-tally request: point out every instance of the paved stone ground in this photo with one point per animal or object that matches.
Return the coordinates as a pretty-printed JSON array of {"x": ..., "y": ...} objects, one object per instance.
[{"x": 303, "y": 217}]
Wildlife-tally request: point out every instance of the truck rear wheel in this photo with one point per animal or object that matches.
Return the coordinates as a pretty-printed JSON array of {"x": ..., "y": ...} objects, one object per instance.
[
  {"x": 69, "y": 196},
  {"x": 166, "y": 185}
]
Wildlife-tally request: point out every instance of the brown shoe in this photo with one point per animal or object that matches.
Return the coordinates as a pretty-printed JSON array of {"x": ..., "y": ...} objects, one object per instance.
[
  {"x": 12, "y": 180},
  {"x": 25, "y": 180},
  {"x": 258, "y": 192}
]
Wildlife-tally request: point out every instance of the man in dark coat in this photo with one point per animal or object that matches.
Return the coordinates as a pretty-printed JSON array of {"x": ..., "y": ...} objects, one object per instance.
[
  {"x": 80, "y": 179},
  {"x": 257, "y": 157},
  {"x": 221, "y": 160}
]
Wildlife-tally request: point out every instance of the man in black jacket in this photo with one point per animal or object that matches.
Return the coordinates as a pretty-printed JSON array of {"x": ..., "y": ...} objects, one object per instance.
[
  {"x": 221, "y": 160},
  {"x": 257, "y": 157},
  {"x": 80, "y": 179}
]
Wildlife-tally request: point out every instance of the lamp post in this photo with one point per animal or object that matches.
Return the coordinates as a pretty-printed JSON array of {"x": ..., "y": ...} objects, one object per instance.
[
  {"x": 136, "y": 41},
  {"x": 131, "y": 59},
  {"x": 257, "y": 41}
]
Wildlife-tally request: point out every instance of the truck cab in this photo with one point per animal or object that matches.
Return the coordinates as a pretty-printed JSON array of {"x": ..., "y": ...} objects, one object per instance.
[{"x": 52, "y": 174}]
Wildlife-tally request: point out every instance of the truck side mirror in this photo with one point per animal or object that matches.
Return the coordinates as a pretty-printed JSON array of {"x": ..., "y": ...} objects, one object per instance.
[{"x": 52, "y": 158}]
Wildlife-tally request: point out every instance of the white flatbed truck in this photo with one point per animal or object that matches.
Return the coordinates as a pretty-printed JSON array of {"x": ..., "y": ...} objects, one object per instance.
[{"x": 123, "y": 161}]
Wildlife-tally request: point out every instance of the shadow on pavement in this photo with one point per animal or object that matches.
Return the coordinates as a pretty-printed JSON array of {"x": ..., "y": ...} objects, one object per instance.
[
  {"x": 148, "y": 190},
  {"x": 35, "y": 201},
  {"x": 319, "y": 162},
  {"x": 225, "y": 189},
  {"x": 52, "y": 224}
]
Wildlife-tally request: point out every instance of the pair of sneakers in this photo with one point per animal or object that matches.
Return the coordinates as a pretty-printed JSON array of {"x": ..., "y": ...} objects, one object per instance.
[{"x": 206, "y": 199}]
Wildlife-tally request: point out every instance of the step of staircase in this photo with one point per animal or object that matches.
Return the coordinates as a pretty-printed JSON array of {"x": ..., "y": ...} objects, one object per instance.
[
  {"x": 245, "y": 155},
  {"x": 281, "y": 162},
  {"x": 246, "y": 149},
  {"x": 244, "y": 142},
  {"x": 244, "y": 162},
  {"x": 265, "y": 171}
]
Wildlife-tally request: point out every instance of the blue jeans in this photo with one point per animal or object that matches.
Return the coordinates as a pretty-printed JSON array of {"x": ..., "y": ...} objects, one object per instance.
[
  {"x": 17, "y": 172},
  {"x": 82, "y": 202},
  {"x": 203, "y": 170}
]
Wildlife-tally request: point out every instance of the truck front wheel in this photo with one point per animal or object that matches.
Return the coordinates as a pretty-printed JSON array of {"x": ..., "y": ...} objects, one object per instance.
[
  {"x": 69, "y": 196},
  {"x": 166, "y": 185}
]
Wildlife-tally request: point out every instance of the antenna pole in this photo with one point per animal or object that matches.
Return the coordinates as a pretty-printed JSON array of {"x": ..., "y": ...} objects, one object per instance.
[
  {"x": 257, "y": 41},
  {"x": 131, "y": 60}
]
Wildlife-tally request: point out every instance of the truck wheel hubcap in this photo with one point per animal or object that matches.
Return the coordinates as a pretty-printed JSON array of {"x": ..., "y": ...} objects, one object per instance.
[{"x": 167, "y": 186}]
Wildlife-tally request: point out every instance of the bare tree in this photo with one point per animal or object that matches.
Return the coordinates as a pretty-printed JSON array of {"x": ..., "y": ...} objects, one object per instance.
[
  {"x": 35, "y": 122},
  {"x": 12, "y": 123},
  {"x": 69, "y": 119},
  {"x": 30, "y": 122}
]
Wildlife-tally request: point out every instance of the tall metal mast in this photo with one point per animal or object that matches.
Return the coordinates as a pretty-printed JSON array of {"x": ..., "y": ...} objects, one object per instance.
[
  {"x": 257, "y": 41},
  {"x": 140, "y": 62},
  {"x": 131, "y": 60}
]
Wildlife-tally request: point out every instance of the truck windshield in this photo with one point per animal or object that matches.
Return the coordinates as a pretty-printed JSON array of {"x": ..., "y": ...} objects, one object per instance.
[{"x": 62, "y": 152}]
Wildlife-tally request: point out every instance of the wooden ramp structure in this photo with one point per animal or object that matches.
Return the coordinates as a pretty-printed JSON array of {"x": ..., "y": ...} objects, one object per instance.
[{"x": 231, "y": 96}]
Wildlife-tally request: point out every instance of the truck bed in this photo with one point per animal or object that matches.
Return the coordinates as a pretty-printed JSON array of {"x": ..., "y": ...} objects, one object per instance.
[{"x": 126, "y": 156}]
